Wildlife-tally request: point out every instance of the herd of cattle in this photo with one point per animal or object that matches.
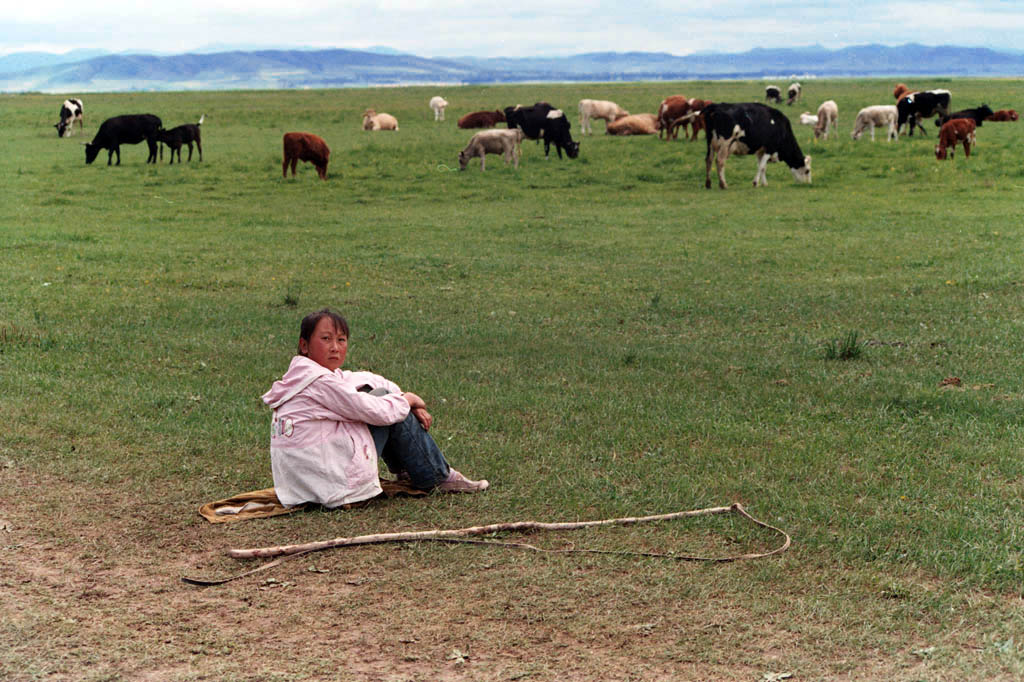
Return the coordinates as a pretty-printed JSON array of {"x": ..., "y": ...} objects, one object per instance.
[{"x": 744, "y": 128}]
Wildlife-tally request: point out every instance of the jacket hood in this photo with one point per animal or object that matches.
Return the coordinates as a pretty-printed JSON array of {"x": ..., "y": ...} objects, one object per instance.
[{"x": 301, "y": 373}]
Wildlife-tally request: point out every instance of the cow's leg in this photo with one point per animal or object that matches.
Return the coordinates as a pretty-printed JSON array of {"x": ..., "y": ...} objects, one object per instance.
[
  {"x": 190, "y": 152},
  {"x": 720, "y": 158},
  {"x": 199, "y": 146},
  {"x": 707, "y": 167},
  {"x": 284, "y": 167},
  {"x": 483, "y": 158},
  {"x": 761, "y": 178}
]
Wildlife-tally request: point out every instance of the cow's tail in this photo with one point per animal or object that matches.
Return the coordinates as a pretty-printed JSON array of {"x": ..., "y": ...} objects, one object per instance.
[{"x": 201, "y": 120}]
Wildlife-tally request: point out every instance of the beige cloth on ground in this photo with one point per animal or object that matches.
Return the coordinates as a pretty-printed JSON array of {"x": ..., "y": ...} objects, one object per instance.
[{"x": 260, "y": 504}]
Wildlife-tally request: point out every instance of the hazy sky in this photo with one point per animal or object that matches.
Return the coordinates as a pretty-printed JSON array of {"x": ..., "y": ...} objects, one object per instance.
[{"x": 512, "y": 28}]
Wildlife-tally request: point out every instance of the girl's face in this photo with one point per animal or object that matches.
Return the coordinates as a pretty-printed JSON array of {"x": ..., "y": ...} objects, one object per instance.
[{"x": 327, "y": 345}]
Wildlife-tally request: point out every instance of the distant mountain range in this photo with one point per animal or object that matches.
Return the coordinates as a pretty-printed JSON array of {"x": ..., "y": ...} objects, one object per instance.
[{"x": 88, "y": 71}]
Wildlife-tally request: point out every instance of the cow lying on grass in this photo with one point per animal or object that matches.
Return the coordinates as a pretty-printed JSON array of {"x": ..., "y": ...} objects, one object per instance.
[
  {"x": 497, "y": 141},
  {"x": 481, "y": 119},
  {"x": 953, "y": 131},
  {"x": 634, "y": 124},
  {"x": 1003, "y": 115},
  {"x": 374, "y": 121},
  {"x": 305, "y": 147}
]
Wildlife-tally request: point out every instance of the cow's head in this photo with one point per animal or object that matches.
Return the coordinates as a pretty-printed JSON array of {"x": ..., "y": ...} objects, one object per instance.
[
  {"x": 61, "y": 127},
  {"x": 803, "y": 173},
  {"x": 572, "y": 149},
  {"x": 985, "y": 111},
  {"x": 91, "y": 152},
  {"x": 463, "y": 160},
  {"x": 940, "y": 152}
]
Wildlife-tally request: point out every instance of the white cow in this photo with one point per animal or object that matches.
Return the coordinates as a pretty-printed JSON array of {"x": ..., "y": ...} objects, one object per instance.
[
  {"x": 374, "y": 121},
  {"x": 877, "y": 115},
  {"x": 808, "y": 119},
  {"x": 828, "y": 118},
  {"x": 438, "y": 103},
  {"x": 598, "y": 108},
  {"x": 496, "y": 141}
]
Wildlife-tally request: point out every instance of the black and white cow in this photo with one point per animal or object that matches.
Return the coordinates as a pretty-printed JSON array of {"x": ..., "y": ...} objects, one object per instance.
[
  {"x": 128, "y": 129},
  {"x": 752, "y": 128},
  {"x": 70, "y": 111},
  {"x": 543, "y": 122},
  {"x": 773, "y": 94},
  {"x": 921, "y": 105},
  {"x": 977, "y": 114}
]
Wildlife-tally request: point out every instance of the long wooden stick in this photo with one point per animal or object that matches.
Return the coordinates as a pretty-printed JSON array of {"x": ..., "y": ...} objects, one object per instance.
[{"x": 264, "y": 552}]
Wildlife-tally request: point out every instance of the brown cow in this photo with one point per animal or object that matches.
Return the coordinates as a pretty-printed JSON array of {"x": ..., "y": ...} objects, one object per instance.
[
  {"x": 953, "y": 131},
  {"x": 305, "y": 147},
  {"x": 1003, "y": 115},
  {"x": 671, "y": 108},
  {"x": 481, "y": 119}
]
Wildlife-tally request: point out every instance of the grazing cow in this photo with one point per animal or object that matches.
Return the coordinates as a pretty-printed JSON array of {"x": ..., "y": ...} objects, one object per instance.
[
  {"x": 955, "y": 130},
  {"x": 305, "y": 147},
  {"x": 915, "y": 107},
  {"x": 773, "y": 94},
  {"x": 438, "y": 104},
  {"x": 793, "y": 93},
  {"x": 481, "y": 119},
  {"x": 752, "y": 128},
  {"x": 670, "y": 109},
  {"x": 977, "y": 114},
  {"x": 634, "y": 124},
  {"x": 543, "y": 122},
  {"x": 70, "y": 111},
  {"x": 127, "y": 129},
  {"x": 183, "y": 134},
  {"x": 828, "y": 118},
  {"x": 374, "y": 121},
  {"x": 808, "y": 119},
  {"x": 878, "y": 115},
  {"x": 505, "y": 142},
  {"x": 598, "y": 108},
  {"x": 1003, "y": 115}
]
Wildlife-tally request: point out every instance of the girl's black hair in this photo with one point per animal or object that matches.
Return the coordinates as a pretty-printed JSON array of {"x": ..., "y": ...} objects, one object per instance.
[{"x": 309, "y": 323}]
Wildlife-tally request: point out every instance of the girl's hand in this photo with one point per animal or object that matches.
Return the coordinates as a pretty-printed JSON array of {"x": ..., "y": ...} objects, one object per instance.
[{"x": 424, "y": 417}]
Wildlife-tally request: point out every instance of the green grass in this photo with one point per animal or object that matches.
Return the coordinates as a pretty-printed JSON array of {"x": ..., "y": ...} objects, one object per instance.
[{"x": 599, "y": 337}]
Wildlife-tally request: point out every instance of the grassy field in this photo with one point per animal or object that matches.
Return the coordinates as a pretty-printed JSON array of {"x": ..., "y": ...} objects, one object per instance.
[{"x": 598, "y": 337}]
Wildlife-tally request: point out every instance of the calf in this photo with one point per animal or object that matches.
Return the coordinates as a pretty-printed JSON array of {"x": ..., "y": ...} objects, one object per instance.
[
  {"x": 977, "y": 114},
  {"x": 305, "y": 147},
  {"x": 828, "y": 118},
  {"x": 955, "y": 130},
  {"x": 752, "y": 128},
  {"x": 693, "y": 118},
  {"x": 808, "y": 119},
  {"x": 634, "y": 124},
  {"x": 876, "y": 116},
  {"x": 438, "y": 104},
  {"x": 544, "y": 122},
  {"x": 773, "y": 94},
  {"x": 1003, "y": 115},
  {"x": 70, "y": 111},
  {"x": 504, "y": 142},
  {"x": 374, "y": 121},
  {"x": 912, "y": 108},
  {"x": 183, "y": 134},
  {"x": 598, "y": 108},
  {"x": 128, "y": 129},
  {"x": 793, "y": 93}
]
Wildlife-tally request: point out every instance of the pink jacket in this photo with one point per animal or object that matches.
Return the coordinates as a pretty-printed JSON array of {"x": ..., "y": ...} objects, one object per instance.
[{"x": 320, "y": 447}]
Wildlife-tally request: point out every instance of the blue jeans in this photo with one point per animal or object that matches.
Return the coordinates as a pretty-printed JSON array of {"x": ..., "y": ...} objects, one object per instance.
[{"x": 406, "y": 446}]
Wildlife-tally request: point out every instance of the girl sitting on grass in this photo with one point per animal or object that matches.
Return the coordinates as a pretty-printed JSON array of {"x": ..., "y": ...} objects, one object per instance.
[{"x": 329, "y": 426}]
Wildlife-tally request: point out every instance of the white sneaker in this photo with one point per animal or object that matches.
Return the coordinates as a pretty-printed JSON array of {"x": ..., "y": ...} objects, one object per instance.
[{"x": 457, "y": 483}]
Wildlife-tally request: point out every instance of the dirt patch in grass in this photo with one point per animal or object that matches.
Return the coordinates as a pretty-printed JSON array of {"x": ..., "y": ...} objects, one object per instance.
[{"x": 91, "y": 590}]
